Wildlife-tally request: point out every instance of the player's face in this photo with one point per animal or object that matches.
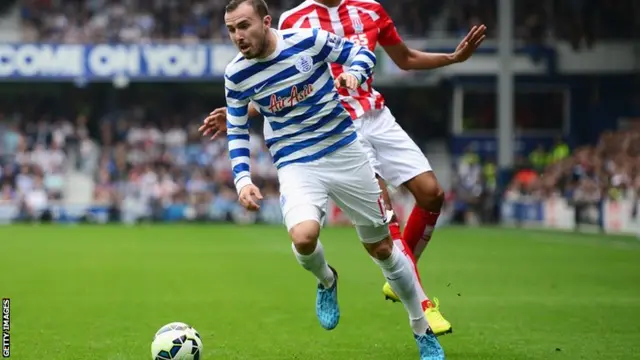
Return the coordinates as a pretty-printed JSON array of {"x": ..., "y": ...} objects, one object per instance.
[{"x": 248, "y": 31}]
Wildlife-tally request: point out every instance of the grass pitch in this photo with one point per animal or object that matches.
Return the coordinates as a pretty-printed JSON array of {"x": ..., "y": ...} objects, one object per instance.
[{"x": 102, "y": 292}]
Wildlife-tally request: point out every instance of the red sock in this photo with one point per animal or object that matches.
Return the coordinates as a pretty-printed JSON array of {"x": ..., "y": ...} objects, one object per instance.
[
  {"x": 419, "y": 229},
  {"x": 394, "y": 229}
]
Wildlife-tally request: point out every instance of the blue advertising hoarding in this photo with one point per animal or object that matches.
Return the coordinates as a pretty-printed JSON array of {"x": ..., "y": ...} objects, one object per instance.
[{"x": 152, "y": 62}]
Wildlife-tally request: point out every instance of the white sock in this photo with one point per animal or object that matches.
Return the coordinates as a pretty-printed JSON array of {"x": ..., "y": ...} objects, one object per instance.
[
  {"x": 399, "y": 273},
  {"x": 316, "y": 264},
  {"x": 419, "y": 289}
]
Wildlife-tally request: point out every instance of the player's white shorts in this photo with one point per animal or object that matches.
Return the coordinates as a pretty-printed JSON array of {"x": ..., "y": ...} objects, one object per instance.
[
  {"x": 391, "y": 152},
  {"x": 347, "y": 178}
]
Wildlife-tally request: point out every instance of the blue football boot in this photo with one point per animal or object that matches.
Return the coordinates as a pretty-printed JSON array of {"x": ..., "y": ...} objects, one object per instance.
[
  {"x": 327, "y": 308},
  {"x": 429, "y": 346}
]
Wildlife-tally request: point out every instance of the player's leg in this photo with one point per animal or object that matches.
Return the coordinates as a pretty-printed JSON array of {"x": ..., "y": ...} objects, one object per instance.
[
  {"x": 402, "y": 163},
  {"x": 306, "y": 244},
  {"x": 424, "y": 216},
  {"x": 398, "y": 270},
  {"x": 302, "y": 197},
  {"x": 394, "y": 226},
  {"x": 396, "y": 236},
  {"x": 352, "y": 185}
]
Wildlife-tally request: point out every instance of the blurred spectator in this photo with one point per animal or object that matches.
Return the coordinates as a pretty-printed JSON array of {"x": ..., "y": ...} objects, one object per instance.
[
  {"x": 470, "y": 189},
  {"x": 7, "y": 194},
  {"x": 559, "y": 152},
  {"x": 539, "y": 158},
  {"x": 35, "y": 200},
  {"x": 104, "y": 191},
  {"x": 525, "y": 175},
  {"x": 586, "y": 200}
]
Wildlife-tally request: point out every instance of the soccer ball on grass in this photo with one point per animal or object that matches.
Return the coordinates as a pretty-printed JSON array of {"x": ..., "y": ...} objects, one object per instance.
[{"x": 176, "y": 341}]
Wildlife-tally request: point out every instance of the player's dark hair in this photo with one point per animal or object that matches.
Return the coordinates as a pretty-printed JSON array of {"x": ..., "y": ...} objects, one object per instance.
[{"x": 259, "y": 6}]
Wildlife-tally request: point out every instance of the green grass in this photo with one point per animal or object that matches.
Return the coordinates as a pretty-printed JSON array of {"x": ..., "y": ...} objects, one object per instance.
[{"x": 102, "y": 292}]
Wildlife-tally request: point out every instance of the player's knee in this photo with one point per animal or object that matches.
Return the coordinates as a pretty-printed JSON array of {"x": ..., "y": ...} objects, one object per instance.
[
  {"x": 427, "y": 191},
  {"x": 380, "y": 250},
  {"x": 376, "y": 240},
  {"x": 436, "y": 196},
  {"x": 305, "y": 236}
]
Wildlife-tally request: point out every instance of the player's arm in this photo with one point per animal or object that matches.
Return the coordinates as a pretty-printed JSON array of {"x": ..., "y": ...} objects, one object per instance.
[
  {"x": 410, "y": 59},
  {"x": 238, "y": 135},
  {"x": 334, "y": 49},
  {"x": 238, "y": 145},
  {"x": 216, "y": 122}
]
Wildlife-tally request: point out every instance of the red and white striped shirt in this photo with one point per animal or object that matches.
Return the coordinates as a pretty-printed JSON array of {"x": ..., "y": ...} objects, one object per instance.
[{"x": 365, "y": 23}]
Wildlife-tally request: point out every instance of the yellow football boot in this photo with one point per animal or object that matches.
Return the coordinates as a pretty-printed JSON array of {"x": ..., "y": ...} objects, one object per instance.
[
  {"x": 389, "y": 294},
  {"x": 439, "y": 325}
]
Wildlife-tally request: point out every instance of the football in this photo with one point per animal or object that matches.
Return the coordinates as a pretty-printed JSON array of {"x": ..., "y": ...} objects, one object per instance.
[{"x": 176, "y": 341}]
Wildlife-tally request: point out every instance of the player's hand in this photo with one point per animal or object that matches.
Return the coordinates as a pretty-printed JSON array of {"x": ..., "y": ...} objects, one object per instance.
[
  {"x": 346, "y": 80},
  {"x": 249, "y": 197},
  {"x": 215, "y": 124},
  {"x": 470, "y": 43}
]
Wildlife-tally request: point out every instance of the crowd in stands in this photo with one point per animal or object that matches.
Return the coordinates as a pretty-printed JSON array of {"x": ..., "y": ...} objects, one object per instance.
[
  {"x": 132, "y": 161},
  {"x": 90, "y": 21},
  {"x": 139, "y": 145},
  {"x": 173, "y": 164},
  {"x": 33, "y": 161},
  {"x": 610, "y": 169},
  {"x": 585, "y": 176},
  {"x": 160, "y": 163}
]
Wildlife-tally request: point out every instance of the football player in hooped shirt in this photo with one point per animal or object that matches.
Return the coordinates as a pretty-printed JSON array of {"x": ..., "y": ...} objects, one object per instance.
[{"x": 396, "y": 159}]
